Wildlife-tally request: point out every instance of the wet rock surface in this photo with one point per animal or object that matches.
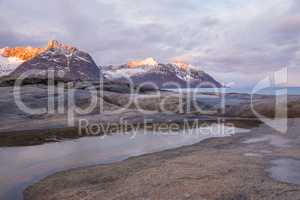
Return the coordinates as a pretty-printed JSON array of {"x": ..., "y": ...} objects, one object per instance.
[
  {"x": 248, "y": 166},
  {"x": 224, "y": 168},
  {"x": 286, "y": 170},
  {"x": 116, "y": 102}
]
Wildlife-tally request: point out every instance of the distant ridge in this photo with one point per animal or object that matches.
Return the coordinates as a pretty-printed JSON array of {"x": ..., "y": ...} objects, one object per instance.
[{"x": 149, "y": 70}]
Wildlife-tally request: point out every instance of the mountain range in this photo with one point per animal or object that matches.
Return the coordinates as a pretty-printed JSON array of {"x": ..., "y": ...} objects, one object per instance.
[
  {"x": 149, "y": 72},
  {"x": 72, "y": 64}
]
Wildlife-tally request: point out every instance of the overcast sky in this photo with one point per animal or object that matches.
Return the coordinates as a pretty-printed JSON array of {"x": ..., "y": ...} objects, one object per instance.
[{"x": 238, "y": 41}]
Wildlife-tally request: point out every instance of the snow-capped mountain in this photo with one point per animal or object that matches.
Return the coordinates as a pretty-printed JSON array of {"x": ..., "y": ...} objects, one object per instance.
[
  {"x": 67, "y": 62},
  {"x": 9, "y": 64},
  {"x": 177, "y": 74},
  {"x": 11, "y": 58},
  {"x": 71, "y": 64}
]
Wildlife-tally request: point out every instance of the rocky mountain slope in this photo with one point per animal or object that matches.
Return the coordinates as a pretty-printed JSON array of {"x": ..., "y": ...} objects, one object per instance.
[
  {"x": 71, "y": 63},
  {"x": 150, "y": 72}
]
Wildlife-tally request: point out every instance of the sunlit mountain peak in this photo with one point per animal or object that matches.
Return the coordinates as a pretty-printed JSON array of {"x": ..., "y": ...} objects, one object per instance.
[
  {"x": 137, "y": 63},
  {"x": 28, "y": 53},
  {"x": 181, "y": 64},
  {"x": 21, "y": 53}
]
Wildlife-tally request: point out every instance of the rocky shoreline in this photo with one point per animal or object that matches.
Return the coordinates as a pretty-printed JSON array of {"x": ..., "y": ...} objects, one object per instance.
[
  {"x": 220, "y": 168},
  {"x": 118, "y": 105},
  {"x": 237, "y": 167}
]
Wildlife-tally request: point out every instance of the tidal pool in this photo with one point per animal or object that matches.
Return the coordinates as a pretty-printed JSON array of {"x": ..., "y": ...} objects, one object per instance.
[
  {"x": 286, "y": 170},
  {"x": 22, "y": 166}
]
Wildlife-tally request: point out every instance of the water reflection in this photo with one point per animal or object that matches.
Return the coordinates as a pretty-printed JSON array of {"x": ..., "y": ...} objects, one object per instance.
[
  {"x": 20, "y": 166},
  {"x": 286, "y": 170}
]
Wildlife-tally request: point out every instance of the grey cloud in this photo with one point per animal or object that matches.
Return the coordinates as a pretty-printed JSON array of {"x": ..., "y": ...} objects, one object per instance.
[
  {"x": 222, "y": 37},
  {"x": 11, "y": 39},
  {"x": 287, "y": 30}
]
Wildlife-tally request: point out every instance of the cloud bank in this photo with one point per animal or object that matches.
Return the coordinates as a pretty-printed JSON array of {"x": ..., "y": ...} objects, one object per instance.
[{"x": 236, "y": 41}]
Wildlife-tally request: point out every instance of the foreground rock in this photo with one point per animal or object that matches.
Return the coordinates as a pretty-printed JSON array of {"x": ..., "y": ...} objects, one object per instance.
[
  {"x": 117, "y": 105},
  {"x": 236, "y": 167}
]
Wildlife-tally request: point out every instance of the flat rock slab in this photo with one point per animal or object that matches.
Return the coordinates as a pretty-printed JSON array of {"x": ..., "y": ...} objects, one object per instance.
[{"x": 214, "y": 169}]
